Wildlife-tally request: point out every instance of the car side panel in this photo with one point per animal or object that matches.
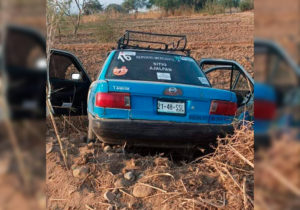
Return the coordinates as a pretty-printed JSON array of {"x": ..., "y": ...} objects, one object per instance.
[{"x": 99, "y": 85}]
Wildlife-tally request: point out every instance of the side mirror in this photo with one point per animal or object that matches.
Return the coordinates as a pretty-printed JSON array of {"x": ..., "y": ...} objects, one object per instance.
[{"x": 76, "y": 76}]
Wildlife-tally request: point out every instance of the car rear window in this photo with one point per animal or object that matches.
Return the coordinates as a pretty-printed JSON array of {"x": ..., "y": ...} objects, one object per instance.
[{"x": 156, "y": 67}]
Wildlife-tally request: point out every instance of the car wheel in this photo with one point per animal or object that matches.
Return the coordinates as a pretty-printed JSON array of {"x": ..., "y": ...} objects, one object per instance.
[{"x": 91, "y": 136}]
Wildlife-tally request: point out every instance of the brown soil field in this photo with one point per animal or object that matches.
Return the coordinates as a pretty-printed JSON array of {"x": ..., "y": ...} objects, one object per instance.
[
  {"x": 95, "y": 176},
  {"x": 279, "y": 23},
  {"x": 219, "y": 36}
]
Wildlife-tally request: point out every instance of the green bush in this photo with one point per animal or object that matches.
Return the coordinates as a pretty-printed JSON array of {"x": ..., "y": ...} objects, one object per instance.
[{"x": 246, "y": 5}]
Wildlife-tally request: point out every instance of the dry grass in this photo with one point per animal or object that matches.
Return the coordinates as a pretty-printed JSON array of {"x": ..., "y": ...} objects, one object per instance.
[
  {"x": 91, "y": 18},
  {"x": 277, "y": 172},
  {"x": 150, "y": 15},
  {"x": 158, "y": 14},
  {"x": 233, "y": 160},
  {"x": 95, "y": 18},
  {"x": 223, "y": 179},
  {"x": 184, "y": 11}
]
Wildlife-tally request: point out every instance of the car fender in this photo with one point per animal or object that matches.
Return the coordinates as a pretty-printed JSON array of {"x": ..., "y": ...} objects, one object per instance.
[{"x": 96, "y": 86}]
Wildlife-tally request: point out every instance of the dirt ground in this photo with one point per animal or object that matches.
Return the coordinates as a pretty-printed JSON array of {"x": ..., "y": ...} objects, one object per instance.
[
  {"x": 99, "y": 177},
  {"x": 103, "y": 177}
]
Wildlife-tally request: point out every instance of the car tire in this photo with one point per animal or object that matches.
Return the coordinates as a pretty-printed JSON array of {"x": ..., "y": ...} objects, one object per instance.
[{"x": 90, "y": 135}]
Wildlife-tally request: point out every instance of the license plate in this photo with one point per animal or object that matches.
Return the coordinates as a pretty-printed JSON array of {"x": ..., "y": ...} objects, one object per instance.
[{"x": 170, "y": 107}]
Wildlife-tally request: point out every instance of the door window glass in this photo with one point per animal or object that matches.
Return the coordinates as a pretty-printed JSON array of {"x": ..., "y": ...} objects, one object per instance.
[
  {"x": 62, "y": 67},
  {"x": 281, "y": 73},
  {"x": 220, "y": 79},
  {"x": 239, "y": 81}
]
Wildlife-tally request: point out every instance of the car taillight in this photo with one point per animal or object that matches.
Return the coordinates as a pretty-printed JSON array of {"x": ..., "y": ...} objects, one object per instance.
[
  {"x": 264, "y": 110},
  {"x": 113, "y": 100},
  {"x": 223, "y": 108}
]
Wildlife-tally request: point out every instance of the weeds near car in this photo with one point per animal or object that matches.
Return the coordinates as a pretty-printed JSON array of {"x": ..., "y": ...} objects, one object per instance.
[{"x": 222, "y": 179}]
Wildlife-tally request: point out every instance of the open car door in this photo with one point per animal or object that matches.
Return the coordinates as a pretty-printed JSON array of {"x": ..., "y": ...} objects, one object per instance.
[
  {"x": 276, "y": 69},
  {"x": 23, "y": 72},
  {"x": 68, "y": 84},
  {"x": 229, "y": 75}
]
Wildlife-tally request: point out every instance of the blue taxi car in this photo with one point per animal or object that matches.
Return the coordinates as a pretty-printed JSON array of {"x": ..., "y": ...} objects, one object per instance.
[{"x": 159, "y": 97}]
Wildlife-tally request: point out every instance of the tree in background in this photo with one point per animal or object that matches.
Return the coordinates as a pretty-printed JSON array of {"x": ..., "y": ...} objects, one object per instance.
[
  {"x": 214, "y": 7},
  {"x": 128, "y": 5},
  {"x": 115, "y": 8},
  {"x": 134, "y": 5},
  {"x": 172, "y": 5},
  {"x": 195, "y": 4},
  {"x": 166, "y": 5},
  {"x": 230, "y": 3},
  {"x": 65, "y": 7},
  {"x": 92, "y": 7},
  {"x": 246, "y": 5},
  {"x": 199, "y": 4}
]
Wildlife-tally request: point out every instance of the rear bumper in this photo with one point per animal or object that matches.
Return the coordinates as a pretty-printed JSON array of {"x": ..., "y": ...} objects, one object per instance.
[{"x": 157, "y": 133}]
